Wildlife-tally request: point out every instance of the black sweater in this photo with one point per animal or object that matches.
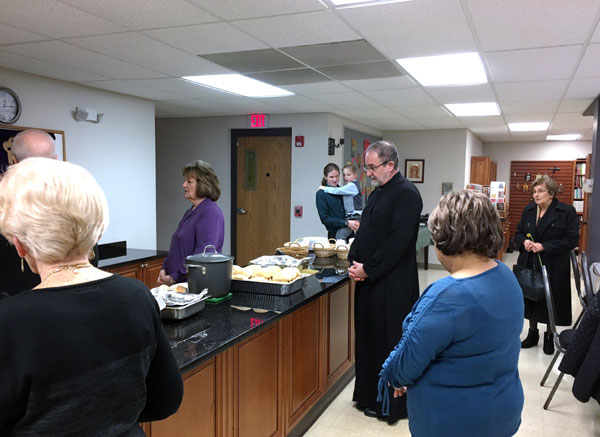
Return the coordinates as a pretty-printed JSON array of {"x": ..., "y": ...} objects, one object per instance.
[{"x": 87, "y": 359}]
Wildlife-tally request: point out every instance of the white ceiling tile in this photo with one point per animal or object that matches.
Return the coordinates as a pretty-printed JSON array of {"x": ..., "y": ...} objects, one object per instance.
[
  {"x": 572, "y": 121},
  {"x": 345, "y": 100},
  {"x": 525, "y": 91},
  {"x": 302, "y": 104},
  {"x": 438, "y": 122},
  {"x": 563, "y": 131},
  {"x": 528, "y": 118},
  {"x": 374, "y": 113},
  {"x": 529, "y": 107},
  {"x": 498, "y": 129},
  {"x": 596, "y": 35},
  {"x": 529, "y": 136},
  {"x": 123, "y": 87},
  {"x": 462, "y": 94},
  {"x": 207, "y": 39},
  {"x": 180, "y": 87},
  {"x": 145, "y": 52},
  {"x": 574, "y": 105},
  {"x": 494, "y": 138},
  {"x": 399, "y": 124},
  {"x": 399, "y": 98},
  {"x": 424, "y": 112},
  {"x": 589, "y": 135},
  {"x": 386, "y": 83},
  {"x": 329, "y": 86},
  {"x": 53, "y": 18},
  {"x": 415, "y": 28},
  {"x": 43, "y": 68},
  {"x": 299, "y": 29},
  {"x": 590, "y": 64},
  {"x": 237, "y": 9},
  {"x": 489, "y": 120},
  {"x": 533, "y": 64},
  {"x": 81, "y": 59},
  {"x": 584, "y": 88},
  {"x": 518, "y": 24},
  {"x": 12, "y": 35},
  {"x": 145, "y": 14}
]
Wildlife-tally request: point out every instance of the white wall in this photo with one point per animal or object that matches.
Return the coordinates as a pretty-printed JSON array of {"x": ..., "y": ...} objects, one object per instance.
[
  {"x": 181, "y": 140},
  {"x": 474, "y": 148},
  {"x": 444, "y": 152},
  {"x": 504, "y": 153},
  {"x": 119, "y": 152}
]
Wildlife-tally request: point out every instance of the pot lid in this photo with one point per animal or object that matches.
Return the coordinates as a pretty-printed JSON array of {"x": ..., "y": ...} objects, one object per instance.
[{"x": 209, "y": 257}]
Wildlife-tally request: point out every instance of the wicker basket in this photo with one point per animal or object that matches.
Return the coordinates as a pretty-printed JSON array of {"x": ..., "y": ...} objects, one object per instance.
[
  {"x": 294, "y": 249},
  {"x": 342, "y": 251},
  {"x": 322, "y": 251}
]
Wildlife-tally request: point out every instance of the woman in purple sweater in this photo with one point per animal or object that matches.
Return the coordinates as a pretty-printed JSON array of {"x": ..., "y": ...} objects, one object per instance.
[{"x": 201, "y": 225}]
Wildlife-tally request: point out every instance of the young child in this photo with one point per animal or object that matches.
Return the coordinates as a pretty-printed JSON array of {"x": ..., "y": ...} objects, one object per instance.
[{"x": 351, "y": 196}]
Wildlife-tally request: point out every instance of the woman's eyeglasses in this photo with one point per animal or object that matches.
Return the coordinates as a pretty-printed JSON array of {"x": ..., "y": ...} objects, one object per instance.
[
  {"x": 372, "y": 168},
  {"x": 539, "y": 191}
]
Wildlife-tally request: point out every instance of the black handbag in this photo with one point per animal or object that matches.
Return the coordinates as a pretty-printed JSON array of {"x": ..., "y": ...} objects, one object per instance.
[{"x": 531, "y": 281}]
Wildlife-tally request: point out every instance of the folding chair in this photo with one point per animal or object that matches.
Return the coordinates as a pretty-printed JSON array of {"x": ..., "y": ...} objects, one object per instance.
[
  {"x": 561, "y": 341},
  {"x": 577, "y": 276},
  {"x": 587, "y": 277}
]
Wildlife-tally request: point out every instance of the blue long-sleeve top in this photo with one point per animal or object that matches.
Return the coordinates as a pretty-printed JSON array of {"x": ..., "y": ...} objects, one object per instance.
[
  {"x": 198, "y": 228},
  {"x": 459, "y": 357}
]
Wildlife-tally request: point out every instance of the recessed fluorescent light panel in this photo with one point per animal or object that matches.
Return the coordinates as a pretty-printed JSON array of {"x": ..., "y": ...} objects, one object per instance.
[
  {"x": 446, "y": 70},
  {"x": 563, "y": 137},
  {"x": 529, "y": 127},
  {"x": 238, "y": 84},
  {"x": 473, "y": 109},
  {"x": 342, "y": 4}
]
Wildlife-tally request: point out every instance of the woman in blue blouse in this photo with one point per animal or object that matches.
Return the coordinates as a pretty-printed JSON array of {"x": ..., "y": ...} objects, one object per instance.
[
  {"x": 458, "y": 358},
  {"x": 202, "y": 225}
]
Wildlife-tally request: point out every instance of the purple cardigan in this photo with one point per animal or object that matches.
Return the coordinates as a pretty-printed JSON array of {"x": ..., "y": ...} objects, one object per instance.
[{"x": 197, "y": 229}]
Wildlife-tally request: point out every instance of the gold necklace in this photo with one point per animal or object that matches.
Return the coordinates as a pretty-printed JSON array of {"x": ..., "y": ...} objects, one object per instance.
[{"x": 71, "y": 267}]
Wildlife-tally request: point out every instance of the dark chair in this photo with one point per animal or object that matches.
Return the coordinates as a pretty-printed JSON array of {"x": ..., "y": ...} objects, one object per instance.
[
  {"x": 587, "y": 277},
  {"x": 561, "y": 341},
  {"x": 577, "y": 277}
]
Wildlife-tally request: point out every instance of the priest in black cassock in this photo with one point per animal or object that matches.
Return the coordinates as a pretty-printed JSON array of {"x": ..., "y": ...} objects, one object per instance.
[{"x": 384, "y": 264}]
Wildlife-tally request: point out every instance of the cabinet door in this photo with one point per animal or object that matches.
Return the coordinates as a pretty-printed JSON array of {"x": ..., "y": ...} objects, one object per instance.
[
  {"x": 196, "y": 415},
  {"x": 304, "y": 368},
  {"x": 258, "y": 383},
  {"x": 129, "y": 271},
  {"x": 151, "y": 271},
  {"x": 339, "y": 335}
]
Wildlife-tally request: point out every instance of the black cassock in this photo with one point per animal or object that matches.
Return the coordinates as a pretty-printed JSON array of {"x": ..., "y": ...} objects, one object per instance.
[{"x": 386, "y": 245}]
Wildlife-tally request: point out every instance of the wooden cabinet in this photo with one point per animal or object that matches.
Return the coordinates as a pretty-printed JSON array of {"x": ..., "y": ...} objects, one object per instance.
[
  {"x": 483, "y": 170},
  {"x": 196, "y": 415},
  {"x": 145, "y": 271},
  {"x": 266, "y": 384}
]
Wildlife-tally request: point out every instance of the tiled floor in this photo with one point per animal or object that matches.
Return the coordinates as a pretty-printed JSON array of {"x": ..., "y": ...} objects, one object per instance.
[{"x": 565, "y": 417}]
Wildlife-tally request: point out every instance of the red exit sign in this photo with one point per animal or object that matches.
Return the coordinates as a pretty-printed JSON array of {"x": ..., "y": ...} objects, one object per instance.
[{"x": 258, "y": 120}]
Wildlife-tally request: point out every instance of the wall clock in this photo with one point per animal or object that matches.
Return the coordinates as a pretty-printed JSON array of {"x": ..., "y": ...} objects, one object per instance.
[{"x": 10, "y": 106}]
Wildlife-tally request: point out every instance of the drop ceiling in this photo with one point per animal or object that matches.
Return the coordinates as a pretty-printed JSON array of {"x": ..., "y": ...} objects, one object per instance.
[{"x": 542, "y": 58}]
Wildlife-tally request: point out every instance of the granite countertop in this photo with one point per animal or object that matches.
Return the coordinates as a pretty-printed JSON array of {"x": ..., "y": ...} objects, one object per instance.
[
  {"x": 131, "y": 255},
  {"x": 220, "y": 326}
]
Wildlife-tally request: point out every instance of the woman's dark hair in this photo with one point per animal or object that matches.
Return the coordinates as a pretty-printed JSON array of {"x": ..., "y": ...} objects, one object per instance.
[
  {"x": 206, "y": 178},
  {"x": 466, "y": 221},
  {"x": 329, "y": 168}
]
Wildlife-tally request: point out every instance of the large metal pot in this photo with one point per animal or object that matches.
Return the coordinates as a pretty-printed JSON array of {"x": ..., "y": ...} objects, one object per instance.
[{"x": 210, "y": 270}]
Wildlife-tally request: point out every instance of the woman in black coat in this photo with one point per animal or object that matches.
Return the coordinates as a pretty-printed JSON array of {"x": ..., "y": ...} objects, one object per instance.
[
  {"x": 554, "y": 227},
  {"x": 331, "y": 207}
]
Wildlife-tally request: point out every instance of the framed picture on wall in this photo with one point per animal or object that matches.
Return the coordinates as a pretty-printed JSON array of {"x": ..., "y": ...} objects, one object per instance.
[
  {"x": 7, "y": 134},
  {"x": 414, "y": 170}
]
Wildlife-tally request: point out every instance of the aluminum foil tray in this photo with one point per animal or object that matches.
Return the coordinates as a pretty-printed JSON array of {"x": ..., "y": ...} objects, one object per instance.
[
  {"x": 181, "y": 312},
  {"x": 274, "y": 288}
]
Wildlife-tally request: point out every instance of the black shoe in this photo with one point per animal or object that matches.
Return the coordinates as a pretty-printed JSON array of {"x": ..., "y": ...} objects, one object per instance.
[
  {"x": 533, "y": 337},
  {"x": 371, "y": 413},
  {"x": 548, "y": 343},
  {"x": 359, "y": 407}
]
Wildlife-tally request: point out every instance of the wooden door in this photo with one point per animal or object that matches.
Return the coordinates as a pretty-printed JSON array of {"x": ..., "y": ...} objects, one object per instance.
[
  {"x": 151, "y": 271},
  {"x": 263, "y": 195}
]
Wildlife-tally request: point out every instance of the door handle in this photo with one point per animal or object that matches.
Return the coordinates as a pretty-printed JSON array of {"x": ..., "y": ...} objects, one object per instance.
[{"x": 241, "y": 211}]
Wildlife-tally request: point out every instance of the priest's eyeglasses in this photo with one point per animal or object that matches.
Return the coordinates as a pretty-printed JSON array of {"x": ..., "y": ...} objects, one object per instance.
[{"x": 372, "y": 168}]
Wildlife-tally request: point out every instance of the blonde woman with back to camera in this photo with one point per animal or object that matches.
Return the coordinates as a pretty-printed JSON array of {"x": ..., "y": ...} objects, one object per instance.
[
  {"x": 84, "y": 352},
  {"x": 459, "y": 353}
]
